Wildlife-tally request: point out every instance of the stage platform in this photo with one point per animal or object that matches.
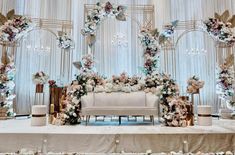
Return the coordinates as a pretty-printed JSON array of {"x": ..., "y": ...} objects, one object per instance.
[{"x": 103, "y": 137}]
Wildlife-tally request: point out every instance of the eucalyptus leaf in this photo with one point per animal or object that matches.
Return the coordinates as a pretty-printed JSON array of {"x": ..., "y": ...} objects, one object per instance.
[
  {"x": 224, "y": 17},
  {"x": 175, "y": 23},
  {"x": 77, "y": 64},
  {"x": 121, "y": 17},
  {"x": 10, "y": 14}
]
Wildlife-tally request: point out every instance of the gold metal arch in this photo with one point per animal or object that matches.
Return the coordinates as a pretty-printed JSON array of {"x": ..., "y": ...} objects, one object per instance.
[{"x": 191, "y": 31}]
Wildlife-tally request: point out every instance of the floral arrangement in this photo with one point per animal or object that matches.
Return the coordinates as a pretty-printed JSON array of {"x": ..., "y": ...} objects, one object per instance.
[
  {"x": 168, "y": 89},
  {"x": 95, "y": 81},
  {"x": 194, "y": 84},
  {"x": 75, "y": 91},
  {"x": 225, "y": 81},
  {"x": 13, "y": 27},
  {"x": 152, "y": 82},
  {"x": 97, "y": 15},
  {"x": 122, "y": 83},
  {"x": 151, "y": 41},
  {"x": 220, "y": 27},
  {"x": 40, "y": 78},
  {"x": 88, "y": 62},
  {"x": 7, "y": 75},
  {"x": 52, "y": 83},
  {"x": 159, "y": 84},
  {"x": 64, "y": 41},
  {"x": 230, "y": 104},
  {"x": 176, "y": 112}
]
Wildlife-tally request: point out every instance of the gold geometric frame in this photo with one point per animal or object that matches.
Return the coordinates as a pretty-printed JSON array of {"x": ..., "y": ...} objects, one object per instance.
[
  {"x": 49, "y": 25},
  {"x": 187, "y": 27},
  {"x": 137, "y": 9}
]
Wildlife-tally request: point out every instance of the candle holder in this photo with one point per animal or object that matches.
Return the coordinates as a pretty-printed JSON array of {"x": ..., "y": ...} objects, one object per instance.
[
  {"x": 197, "y": 92},
  {"x": 3, "y": 113},
  {"x": 190, "y": 109}
]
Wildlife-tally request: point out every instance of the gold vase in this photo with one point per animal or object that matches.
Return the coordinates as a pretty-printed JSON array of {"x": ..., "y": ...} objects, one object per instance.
[{"x": 39, "y": 88}]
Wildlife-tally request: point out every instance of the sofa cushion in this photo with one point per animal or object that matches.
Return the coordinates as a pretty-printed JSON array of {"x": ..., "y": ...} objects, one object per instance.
[{"x": 135, "y": 99}]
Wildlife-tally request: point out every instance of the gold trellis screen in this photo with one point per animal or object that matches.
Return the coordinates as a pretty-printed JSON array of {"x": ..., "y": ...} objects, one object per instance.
[{"x": 53, "y": 26}]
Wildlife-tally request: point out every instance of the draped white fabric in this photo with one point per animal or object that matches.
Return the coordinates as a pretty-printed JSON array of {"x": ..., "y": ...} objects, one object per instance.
[{"x": 110, "y": 59}]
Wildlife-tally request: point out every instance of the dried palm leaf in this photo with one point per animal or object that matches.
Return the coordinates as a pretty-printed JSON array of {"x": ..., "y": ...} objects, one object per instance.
[
  {"x": 232, "y": 21},
  {"x": 224, "y": 17},
  {"x": 91, "y": 39},
  {"x": 229, "y": 61},
  {"x": 3, "y": 19},
  {"x": 77, "y": 64},
  {"x": 11, "y": 14},
  {"x": 217, "y": 16},
  {"x": 121, "y": 17}
]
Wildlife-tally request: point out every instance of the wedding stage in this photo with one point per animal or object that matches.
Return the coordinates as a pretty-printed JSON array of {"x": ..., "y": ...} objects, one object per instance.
[{"x": 100, "y": 137}]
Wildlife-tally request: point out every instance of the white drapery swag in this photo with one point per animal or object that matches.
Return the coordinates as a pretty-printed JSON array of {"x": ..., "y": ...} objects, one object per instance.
[{"x": 28, "y": 62}]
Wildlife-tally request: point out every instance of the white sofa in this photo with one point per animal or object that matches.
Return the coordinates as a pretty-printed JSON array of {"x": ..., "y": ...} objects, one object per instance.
[{"x": 119, "y": 104}]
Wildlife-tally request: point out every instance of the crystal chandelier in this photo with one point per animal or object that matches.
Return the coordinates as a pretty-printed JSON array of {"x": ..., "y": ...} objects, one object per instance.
[
  {"x": 196, "y": 51},
  {"x": 119, "y": 40},
  {"x": 37, "y": 45}
]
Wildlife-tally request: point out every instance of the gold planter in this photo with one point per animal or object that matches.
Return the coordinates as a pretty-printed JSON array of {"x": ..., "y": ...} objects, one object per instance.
[
  {"x": 3, "y": 113},
  {"x": 39, "y": 88}
]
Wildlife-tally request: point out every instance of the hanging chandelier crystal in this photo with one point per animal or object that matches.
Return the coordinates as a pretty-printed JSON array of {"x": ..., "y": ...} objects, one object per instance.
[
  {"x": 119, "y": 40},
  {"x": 37, "y": 44},
  {"x": 196, "y": 51}
]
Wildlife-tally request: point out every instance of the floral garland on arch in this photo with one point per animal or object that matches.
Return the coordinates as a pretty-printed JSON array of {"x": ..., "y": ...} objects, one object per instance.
[
  {"x": 13, "y": 27},
  {"x": 64, "y": 41},
  {"x": 98, "y": 14},
  {"x": 225, "y": 80},
  {"x": 7, "y": 76},
  {"x": 151, "y": 41},
  {"x": 220, "y": 27}
]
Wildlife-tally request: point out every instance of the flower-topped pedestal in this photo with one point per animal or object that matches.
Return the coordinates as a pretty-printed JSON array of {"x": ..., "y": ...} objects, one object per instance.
[
  {"x": 193, "y": 88},
  {"x": 39, "y": 79}
]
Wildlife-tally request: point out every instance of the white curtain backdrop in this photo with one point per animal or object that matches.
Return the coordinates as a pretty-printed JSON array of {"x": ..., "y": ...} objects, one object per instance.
[{"x": 109, "y": 59}]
